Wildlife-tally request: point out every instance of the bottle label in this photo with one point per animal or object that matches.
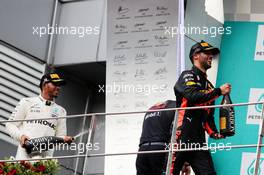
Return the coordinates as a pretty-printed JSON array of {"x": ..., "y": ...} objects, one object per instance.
[{"x": 222, "y": 122}]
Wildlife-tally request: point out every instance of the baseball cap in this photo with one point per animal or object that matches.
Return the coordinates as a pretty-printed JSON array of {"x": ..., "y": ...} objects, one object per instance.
[
  {"x": 203, "y": 47},
  {"x": 54, "y": 78}
]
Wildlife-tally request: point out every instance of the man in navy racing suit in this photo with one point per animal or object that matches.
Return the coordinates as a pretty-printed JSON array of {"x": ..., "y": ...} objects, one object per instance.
[
  {"x": 194, "y": 89},
  {"x": 156, "y": 135}
]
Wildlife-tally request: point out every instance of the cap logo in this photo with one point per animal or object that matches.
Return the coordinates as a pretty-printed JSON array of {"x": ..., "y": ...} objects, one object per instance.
[
  {"x": 54, "y": 76},
  {"x": 205, "y": 44}
]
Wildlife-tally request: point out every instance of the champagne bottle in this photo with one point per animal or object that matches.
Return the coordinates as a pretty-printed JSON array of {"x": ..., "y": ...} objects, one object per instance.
[
  {"x": 40, "y": 144},
  {"x": 227, "y": 117}
]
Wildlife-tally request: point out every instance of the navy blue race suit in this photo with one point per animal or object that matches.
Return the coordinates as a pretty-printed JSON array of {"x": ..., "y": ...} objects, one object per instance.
[
  {"x": 193, "y": 89},
  {"x": 156, "y": 135}
]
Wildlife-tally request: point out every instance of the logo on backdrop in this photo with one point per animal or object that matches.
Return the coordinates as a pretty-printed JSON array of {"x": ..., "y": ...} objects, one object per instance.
[
  {"x": 259, "y": 53},
  {"x": 254, "y": 111},
  {"x": 248, "y": 164},
  {"x": 251, "y": 168},
  {"x": 258, "y": 107}
]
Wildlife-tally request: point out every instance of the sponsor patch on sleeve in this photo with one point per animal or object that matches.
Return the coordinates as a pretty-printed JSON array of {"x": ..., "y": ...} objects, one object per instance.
[
  {"x": 188, "y": 77},
  {"x": 190, "y": 83}
]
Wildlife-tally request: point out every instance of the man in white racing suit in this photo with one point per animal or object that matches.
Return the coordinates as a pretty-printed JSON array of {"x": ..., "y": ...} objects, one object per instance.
[{"x": 42, "y": 106}]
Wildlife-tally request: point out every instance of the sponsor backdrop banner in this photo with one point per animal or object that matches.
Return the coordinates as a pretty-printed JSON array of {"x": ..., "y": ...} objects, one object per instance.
[
  {"x": 249, "y": 160},
  {"x": 241, "y": 63},
  {"x": 141, "y": 70},
  {"x": 259, "y": 54}
]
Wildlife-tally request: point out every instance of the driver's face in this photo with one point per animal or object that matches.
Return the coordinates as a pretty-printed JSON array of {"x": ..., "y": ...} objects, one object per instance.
[
  {"x": 52, "y": 89},
  {"x": 205, "y": 59}
]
